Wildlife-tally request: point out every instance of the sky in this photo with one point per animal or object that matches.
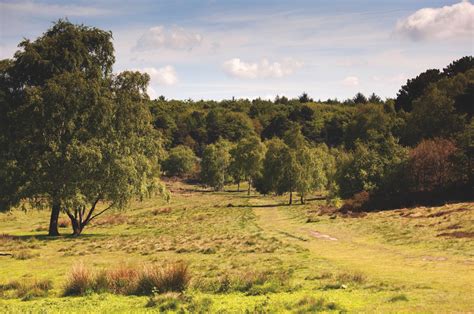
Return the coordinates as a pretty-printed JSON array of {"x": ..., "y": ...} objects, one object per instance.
[{"x": 219, "y": 49}]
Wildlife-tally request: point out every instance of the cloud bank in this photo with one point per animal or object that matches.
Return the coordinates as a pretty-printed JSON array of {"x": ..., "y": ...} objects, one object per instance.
[
  {"x": 350, "y": 81},
  {"x": 263, "y": 69},
  {"x": 448, "y": 22},
  {"x": 53, "y": 10},
  {"x": 176, "y": 38},
  {"x": 163, "y": 76}
]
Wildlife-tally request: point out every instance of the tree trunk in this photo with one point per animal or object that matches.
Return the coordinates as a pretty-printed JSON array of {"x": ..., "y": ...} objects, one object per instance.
[
  {"x": 250, "y": 185},
  {"x": 76, "y": 227},
  {"x": 302, "y": 199},
  {"x": 53, "y": 222},
  {"x": 291, "y": 198},
  {"x": 238, "y": 186}
]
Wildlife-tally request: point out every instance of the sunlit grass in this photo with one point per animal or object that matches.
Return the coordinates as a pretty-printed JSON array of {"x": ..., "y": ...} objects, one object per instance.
[{"x": 252, "y": 253}]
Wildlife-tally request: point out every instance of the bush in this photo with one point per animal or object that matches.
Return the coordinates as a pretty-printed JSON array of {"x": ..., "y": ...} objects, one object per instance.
[
  {"x": 432, "y": 165},
  {"x": 181, "y": 161},
  {"x": 64, "y": 223},
  {"x": 356, "y": 203}
]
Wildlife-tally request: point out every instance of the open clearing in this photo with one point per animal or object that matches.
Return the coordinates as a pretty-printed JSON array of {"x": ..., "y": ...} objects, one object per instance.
[{"x": 407, "y": 260}]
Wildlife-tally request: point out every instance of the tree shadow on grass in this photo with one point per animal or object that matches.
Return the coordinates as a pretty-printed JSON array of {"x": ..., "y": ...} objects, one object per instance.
[
  {"x": 264, "y": 205},
  {"x": 67, "y": 237}
]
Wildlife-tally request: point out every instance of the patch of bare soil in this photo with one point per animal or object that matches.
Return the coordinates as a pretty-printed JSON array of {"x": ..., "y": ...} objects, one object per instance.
[
  {"x": 434, "y": 258},
  {"x": 447, "y": 212},
  {"x": 457, "y": 234},
  {"x": 453, "y": 227},
  {"x": 320, "y": 235}
]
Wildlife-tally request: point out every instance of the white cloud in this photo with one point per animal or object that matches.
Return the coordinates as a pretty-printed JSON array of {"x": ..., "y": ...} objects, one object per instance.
[
  {"x": 176, "y": 38},
  {"x": 45, "y": 9},
  {"x": 350, "y": 81},
  {"x": 448, "y": 22},
  {"x": 163, "y": 76},
  {"x": 151, "y": 92},
  {"x": 263, "y": 69}
]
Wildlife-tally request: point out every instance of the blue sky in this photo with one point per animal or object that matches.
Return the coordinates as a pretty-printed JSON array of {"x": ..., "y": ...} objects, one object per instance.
[{"x": 219, "y": 49}]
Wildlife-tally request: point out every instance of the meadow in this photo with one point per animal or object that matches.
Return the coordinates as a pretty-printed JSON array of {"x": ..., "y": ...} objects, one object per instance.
[{"x": 247, "y": 254}]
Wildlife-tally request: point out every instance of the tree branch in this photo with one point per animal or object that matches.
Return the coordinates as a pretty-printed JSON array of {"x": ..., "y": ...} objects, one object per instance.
[
  {"x": 88, "y": 218},
  {"x": 103, "y": 211}
]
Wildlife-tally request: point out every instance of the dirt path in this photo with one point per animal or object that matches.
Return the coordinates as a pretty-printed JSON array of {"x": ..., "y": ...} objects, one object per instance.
[{"x": 382, "y": 262}]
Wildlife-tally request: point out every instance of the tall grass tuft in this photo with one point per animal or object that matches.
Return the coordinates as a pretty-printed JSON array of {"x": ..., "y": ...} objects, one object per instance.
[
  {"x": 127, "y": 280},
  {"x": 173, "y": 277},
  {"x": 122, "y": 280},
  {"x": 80, "y": 281}
]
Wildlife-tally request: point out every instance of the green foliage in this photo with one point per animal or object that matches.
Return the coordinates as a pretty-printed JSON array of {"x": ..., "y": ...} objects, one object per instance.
[
  {"x": 433, "y": 115},
  {"x": 181, "y": 161},
  {"x": 370, "y": 122},
  {"x": 247, "y": 159},
  {"x": 368, "y": 166},
  {"x": 82, "y": 135},
  {"x": 215, "y": 163},
  {"x": 310, "y": 173},
  {"x": 232, "y": 126}
]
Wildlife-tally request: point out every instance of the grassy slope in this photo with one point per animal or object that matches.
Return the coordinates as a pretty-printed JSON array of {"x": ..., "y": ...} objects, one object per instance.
[{"x": 398, "y": 253}]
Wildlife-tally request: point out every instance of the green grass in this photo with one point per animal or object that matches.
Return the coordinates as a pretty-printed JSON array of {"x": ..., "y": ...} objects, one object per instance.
[{"x": 251, "y": 254}]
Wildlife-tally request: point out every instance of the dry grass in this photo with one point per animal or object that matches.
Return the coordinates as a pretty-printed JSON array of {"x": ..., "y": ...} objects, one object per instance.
[
  {"x": 64, "y": 223},
  {"x": 29, "y": 289},
  {"x": 172, "y": 277},
  {"x": 158, "y": 211},
  {"x": 24, "y": 255},
  {"x": 127, "y": 280},
  {"x": 111, "y": 220},
  {"x": 357, "y": 278},
  {"x": 80, "y": 281},
  {"x": 122, "y": 280}
]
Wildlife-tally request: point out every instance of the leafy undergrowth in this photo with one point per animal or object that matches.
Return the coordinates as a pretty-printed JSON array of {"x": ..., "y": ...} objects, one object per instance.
[{"x": 227, "y": 256}]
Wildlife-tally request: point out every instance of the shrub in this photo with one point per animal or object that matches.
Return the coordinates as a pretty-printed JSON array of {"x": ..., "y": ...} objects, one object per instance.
[
  {"x": 80, "y": 281},
  {"x": 64, "y": 223},
  {"x": 181, "y": 161},
  {"x": 110, "y": 220},
  {"x": 358, "y": 202},
  {"x": 432, "y": 165}
]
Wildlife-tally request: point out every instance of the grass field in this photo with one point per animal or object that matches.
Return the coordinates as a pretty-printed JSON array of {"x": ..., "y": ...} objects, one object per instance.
[{"x": 252, "y": 253}]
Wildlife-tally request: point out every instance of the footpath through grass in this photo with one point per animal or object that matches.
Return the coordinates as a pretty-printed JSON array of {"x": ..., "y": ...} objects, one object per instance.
[{"x": 251, "y": 253}]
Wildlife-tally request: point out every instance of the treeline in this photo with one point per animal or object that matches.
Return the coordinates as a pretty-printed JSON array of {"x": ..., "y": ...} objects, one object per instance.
[
  {"x": 78, "y": 139},
  {"x": 416, "y": 148}
]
